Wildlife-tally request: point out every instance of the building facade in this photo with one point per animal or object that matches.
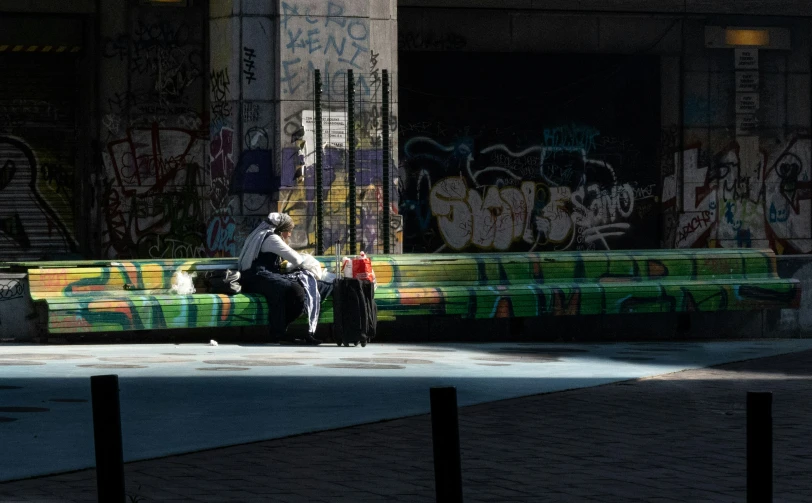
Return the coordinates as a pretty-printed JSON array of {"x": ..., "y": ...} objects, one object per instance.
[{"x": 137, "y": 129}]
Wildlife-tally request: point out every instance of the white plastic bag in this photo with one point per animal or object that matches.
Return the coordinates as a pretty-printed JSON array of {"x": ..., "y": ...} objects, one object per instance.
[
  {"x": 183, "y": 283},
  {"x": 309, "y": 264}
]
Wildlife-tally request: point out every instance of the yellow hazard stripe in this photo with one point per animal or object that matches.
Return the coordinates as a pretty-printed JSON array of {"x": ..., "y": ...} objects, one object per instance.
[{"x": 39, "y": 48}]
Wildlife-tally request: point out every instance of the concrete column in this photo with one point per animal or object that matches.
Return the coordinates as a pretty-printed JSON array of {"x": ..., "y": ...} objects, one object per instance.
[
  {"x": 242, "y": 91},
  {"x": 333, "y": 36},
  {"x": 263, "y": 59}
]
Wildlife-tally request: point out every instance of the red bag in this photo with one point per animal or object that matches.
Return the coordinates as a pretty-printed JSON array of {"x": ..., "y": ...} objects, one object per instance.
[{"x": 362, "y": 268}]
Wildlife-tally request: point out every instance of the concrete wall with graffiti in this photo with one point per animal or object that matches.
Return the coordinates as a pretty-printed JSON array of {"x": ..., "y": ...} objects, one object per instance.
[
  {"x": 198, "y": 145},
  {"x": 599, "y": 131},
  {"x": 741, "y": 186},
  {"x": 153, "y": 185},
  {"x": 241, "y": 130},
  {"x": 491, "y": 165},
  {"x": 259, "y": 94},
  {"x": 334, "y": 37},
  {"x": 551, "y": 146}
]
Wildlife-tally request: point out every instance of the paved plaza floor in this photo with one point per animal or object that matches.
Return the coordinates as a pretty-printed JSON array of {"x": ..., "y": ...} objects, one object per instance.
[{"x": 595, "y": 422}]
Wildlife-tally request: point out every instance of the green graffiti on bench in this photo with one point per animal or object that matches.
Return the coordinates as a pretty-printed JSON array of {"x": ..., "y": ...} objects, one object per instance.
[
  {"x": 573, "y": 283},
  {"x": 122, "y": 296}
]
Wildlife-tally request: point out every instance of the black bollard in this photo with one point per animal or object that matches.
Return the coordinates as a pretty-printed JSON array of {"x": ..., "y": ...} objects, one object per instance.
[
  {"x": 107, "y": 437},
  {"x": 759, "y": 447},
  {"x": 445, "y": 432}
]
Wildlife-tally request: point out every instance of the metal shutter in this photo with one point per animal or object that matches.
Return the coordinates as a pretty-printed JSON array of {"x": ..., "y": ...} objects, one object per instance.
[{"x": 38, "y": 152}]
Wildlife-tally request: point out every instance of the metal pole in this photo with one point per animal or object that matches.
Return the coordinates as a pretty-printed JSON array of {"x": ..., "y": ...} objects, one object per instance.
[
  {"x": 319, "y": 167},
  {"x": 759, "y": 447},
  {"x": 385, "y": 164},
  {"x": 107, "y": 438},
  {"x": 351, "y": 155},
  {"x": 445, "y": 433}
]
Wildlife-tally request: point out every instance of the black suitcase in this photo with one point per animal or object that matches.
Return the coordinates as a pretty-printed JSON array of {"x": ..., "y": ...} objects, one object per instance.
[{"x": 355, "y": 314}]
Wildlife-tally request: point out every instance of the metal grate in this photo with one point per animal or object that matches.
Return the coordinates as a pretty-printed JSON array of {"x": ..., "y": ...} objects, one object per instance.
[{"x": 352, "y": 167}]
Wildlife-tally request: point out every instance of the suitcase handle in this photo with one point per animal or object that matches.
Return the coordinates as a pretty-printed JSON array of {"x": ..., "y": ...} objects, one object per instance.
[{"x": 338, "y": 258}]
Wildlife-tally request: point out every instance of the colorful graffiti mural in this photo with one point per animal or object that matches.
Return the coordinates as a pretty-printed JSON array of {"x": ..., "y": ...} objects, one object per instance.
[
  {"x": 742, "y": 196},
  {"x": 151, "y": 202},
  {"x": 299, "y": 199},
  {"x": 481, "y": 170},
  {"x": 578, "y": 204},
  {"x": 241, "y": 182},
  {"x": 553, "y": 197},
  {"x": 134, "y": 295}
]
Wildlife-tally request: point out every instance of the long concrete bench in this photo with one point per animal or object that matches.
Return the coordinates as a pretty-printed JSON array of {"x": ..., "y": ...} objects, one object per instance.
[{"x": 105, "y": 296}]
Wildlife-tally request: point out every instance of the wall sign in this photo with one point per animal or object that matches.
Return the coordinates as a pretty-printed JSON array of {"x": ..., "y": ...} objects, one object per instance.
[
  {"x": 746, "y": 82},
  {"x": 746, "y": 58},
  {"x": 746, "y": 124},
  {"x": 746, "y": 103}
]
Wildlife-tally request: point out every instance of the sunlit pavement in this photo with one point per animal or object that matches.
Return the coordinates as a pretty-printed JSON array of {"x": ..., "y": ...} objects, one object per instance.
[{"x": 189, "y": 397}]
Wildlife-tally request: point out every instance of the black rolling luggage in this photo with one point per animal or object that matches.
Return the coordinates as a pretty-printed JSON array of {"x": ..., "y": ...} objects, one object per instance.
[{"x": 355, "y": 315}]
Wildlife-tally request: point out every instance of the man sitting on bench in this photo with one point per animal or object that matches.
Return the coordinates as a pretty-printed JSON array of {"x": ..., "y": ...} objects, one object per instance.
[{"x": 289, "y": 291}]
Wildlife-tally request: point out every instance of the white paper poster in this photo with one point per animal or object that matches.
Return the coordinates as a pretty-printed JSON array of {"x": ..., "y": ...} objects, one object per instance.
[{"x": 333, "y": 132}]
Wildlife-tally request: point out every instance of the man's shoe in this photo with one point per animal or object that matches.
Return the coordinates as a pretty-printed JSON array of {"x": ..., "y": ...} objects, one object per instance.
[{"x": 312, "y": 341}]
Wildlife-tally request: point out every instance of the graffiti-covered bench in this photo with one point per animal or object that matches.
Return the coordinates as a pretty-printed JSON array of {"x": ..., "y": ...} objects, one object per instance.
[
  {"x": 572, "y": 283},
  {"x": 135, "y": 295}
]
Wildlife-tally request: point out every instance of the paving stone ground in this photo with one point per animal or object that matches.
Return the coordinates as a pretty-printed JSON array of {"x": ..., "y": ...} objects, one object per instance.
[{"x": 673, "y": 438}]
